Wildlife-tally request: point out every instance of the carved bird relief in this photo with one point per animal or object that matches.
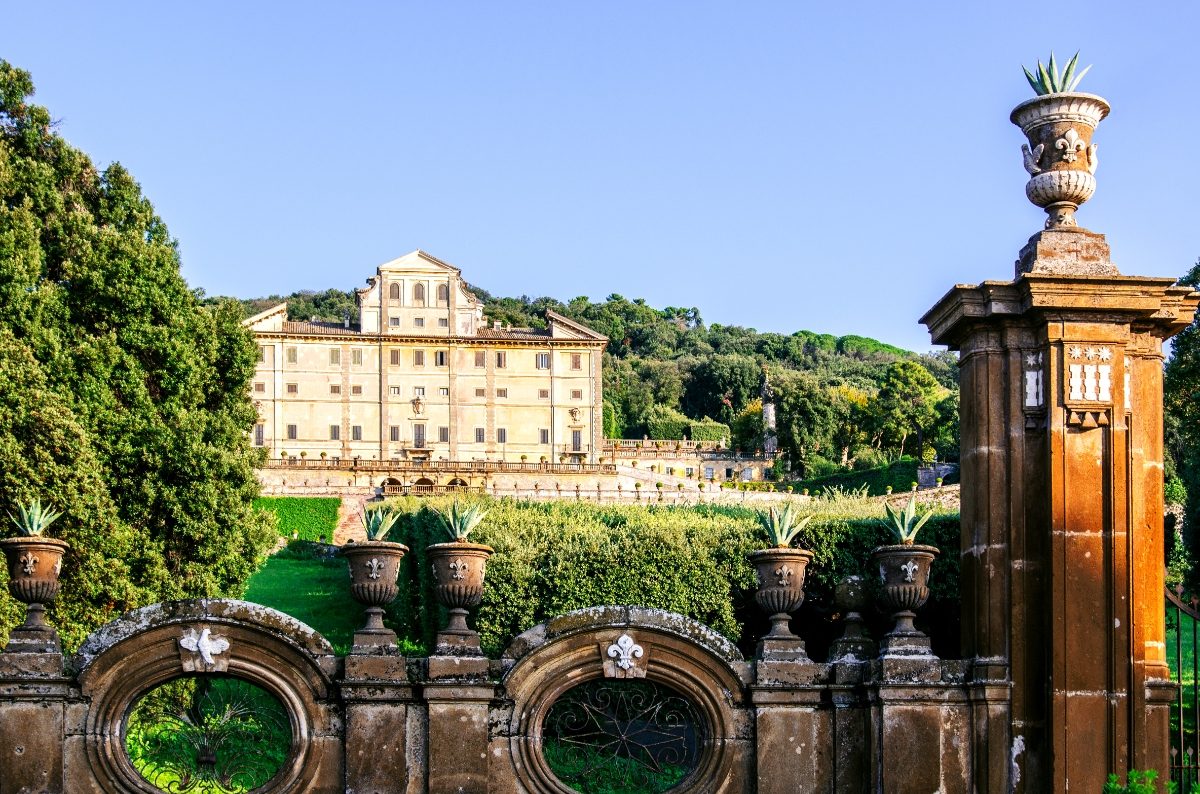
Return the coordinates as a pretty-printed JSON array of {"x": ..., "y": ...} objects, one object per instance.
[{"x": 1032, "y": 158}]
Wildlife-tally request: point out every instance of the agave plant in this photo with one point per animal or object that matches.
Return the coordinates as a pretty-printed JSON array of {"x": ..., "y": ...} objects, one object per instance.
[
  {"x": 379, "y": 522},
  {"x": 782, "y": 525},
  {"x": 1049, "y": 80},
  {"x": 34, "y": 518},
  {"x": 458, "y": 520},
  {"x": 906, "y": 523}
]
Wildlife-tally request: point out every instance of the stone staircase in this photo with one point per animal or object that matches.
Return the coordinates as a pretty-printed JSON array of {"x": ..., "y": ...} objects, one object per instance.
[{"x": 350, "y": 525}]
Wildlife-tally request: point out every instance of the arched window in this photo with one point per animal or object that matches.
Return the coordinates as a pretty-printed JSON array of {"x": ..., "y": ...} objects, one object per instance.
[
  {"x": 419, "y": 294},
  {"x": 443, "y": 293},
  {"x": 394, "y": 292}
]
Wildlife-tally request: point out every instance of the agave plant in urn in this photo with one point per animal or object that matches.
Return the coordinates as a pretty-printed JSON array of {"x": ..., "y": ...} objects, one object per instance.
[
  {"x": 781, "y": 570},
  {"x": 904, "y": 574},
  {"x": 34, "y": 563},
  {"x": 1061, "y": 160},
  {"x": 458, "y": 568},
  {"x": 374, "y": 566}
]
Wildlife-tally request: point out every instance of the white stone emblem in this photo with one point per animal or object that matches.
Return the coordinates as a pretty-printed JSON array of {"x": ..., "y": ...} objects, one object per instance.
[
  {"x": 624, "y": 650},
  {"x": 458, "y": 570},
  {"x": 910, "y": 570},
  {"x": 28, "y": 563},
  {"x": 1070, "y": 145},
  {"x": 784, "y": 573},
  {"x": 204, "y": 647},
  {"x": 374, "y": 565}
]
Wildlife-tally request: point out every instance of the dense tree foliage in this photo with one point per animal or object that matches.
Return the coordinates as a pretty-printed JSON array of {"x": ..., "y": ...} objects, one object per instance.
[
  {"x": 123, "y": 400},
  {"x": 1181, "y": 412}
]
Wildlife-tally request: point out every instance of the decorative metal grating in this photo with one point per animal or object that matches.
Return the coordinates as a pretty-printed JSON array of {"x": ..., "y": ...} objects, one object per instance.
[
  {"x": 1183, "y": 657},
  {"x": 208, "y": 734},
  {"x": 623, "y": 735}
]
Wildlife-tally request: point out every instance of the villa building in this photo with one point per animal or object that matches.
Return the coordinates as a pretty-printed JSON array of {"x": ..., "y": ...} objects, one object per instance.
[{"x": 423, "y": 378}]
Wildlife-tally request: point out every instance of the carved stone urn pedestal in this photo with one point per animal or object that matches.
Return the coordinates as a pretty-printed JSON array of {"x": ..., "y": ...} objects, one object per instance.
[
  {"x": 904, "y": 573},
  {"x": 780, "y": 592},
  {"x": 34, "y": 564},
  {"x": 458, "y": 569},
  {"x": 850, "y": 598},
  {"x": 374, "y": 566}
]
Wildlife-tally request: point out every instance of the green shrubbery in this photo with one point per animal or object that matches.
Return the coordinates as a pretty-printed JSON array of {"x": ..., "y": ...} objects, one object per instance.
[
  {"x": 709, "y": 430},
  {"x": 309, "y": 517},
  {"x": 899, "y": 475},
  {"x": 552, "y": 558}
]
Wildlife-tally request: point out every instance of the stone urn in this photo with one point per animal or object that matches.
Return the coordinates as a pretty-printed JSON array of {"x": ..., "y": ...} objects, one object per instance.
[
  {"x": 458, "y": 569},
  {"x": 1060, "y": 156},
  {"x": 374, "y": 566},
  {"x": 904, "y": 573},
  {"x": 34, "y": 563},
  {"x": 851, "y": 599},
  {"x": 780, "y": 585}
]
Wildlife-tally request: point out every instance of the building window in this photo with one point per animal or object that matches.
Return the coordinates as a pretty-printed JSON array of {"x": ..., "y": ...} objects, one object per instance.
[
  {"x": 291, "y": 432},
  {"x": 577, "y": 441},
  {"x": 576, "y": 361},
  {"x": 258, "y": 435},
  {"x": 394, "y": 433},
  {"x": 479, "y": 435},
  {"x": 394, "y": 292},
  {"x": 292, "y": 355},
  {"x": 443, "y": 322},
  {"x": 544, "y": 436},
  {"x": 356, "y": 356},
  {"x": 394, "y": 358},
  {"x": 501, "y": 435},
  {"x": 543, "y": 394},
  {"x": 418, "y": 322},
  {"x": 335, "y": 388},
  {"x": 419, "y": 436},
  {"x": 262, "y": 353},
  {"x": 335, "y": 432},
  {"x": 394, "y": 322},
  {"x": 418, "y": 391},
  {"x": 356, "y": 432},
  {"x": 292, "y": 388},
  {"x": 444, "y": 435},
  {"x": 356, "y": 389},
  {"x": 439, "y": 358},
  {"x": 335, "y": 356},
  {"x": 260, "y": 387},
  {"x": 419, "y": 294},
  {"x": 542, "y": 361},
  {"x": 481, "y": 358},
  {"x": 576, "y": 394},
  {"x": 443, "y": 391},
  {"x": 689, "y": 471},
  {"x": 443, "y": 293},
  {"x": 394, "y": 390},
  {"x": 502, "y": 392},
  {"x": 708, "y": 472},
  {"x": 481, "y": 392},
  {"x": 418, "y": 358},
  {"x": 501, "y": 359}
]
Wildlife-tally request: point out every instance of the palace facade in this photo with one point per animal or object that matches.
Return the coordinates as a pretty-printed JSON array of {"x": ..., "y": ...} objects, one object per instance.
[{"x": 423, "y": 377}]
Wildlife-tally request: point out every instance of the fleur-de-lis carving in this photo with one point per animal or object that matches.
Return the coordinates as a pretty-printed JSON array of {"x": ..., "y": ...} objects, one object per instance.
[
  {"x": 784, "y": 573},
  {"x": 28, "y": 564},
  {"x": 58, "y": 566},
  {"x": 1071, "y": 146},
  {"x": 625, "y": 650},
  {"x": 458, "y": 570},
  {"x": 373, "y": 565},
  {"x": 910, "y": 570}
]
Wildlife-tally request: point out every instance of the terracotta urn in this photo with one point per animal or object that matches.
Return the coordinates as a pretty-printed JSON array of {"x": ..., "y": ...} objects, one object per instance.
[
  {"x": 1060, "y": 156},
  {"x": 458, "y": 568},
  {"x": 904, "y": 573},
  {"x": 34, "y": 563},
  {"x": 374, "y": 566},
  {"x": 780, "y": 584}
]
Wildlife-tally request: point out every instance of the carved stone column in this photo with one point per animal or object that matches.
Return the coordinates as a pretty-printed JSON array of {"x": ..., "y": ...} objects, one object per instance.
[{"x": 1062, "y": 536}]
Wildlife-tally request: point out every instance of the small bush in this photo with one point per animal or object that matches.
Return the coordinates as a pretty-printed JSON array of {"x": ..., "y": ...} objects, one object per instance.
[
  {"x": 900, "y": 475},
  {"x": 308, "y": 517}
]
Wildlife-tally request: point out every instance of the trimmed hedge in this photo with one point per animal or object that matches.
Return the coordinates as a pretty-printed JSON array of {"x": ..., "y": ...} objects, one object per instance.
[
  {"x": 558, "y": 556},
  {"x": 900, "y": 475},
  {"x": 308, "y": 517},
  {"x": 708, "y": 429}
]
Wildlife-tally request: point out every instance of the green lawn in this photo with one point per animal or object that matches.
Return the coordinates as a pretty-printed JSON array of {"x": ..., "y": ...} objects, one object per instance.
[
  {"x": 315, "y": 591},
  {"x": 303, "y": 518}
]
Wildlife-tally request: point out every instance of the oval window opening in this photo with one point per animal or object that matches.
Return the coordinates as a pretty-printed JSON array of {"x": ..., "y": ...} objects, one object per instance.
[
  {"x": 208, "y": 733},
  {"x": 622, "y": 735}
]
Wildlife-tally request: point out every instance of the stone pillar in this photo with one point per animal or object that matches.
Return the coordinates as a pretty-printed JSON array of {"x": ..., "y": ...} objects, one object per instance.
[
  {"x": 794, "y": 739},
  {"x": 1062, "y": 535},
  {"x": 458, "y": 696},
  {"x": 384, "y": 730},
  {"x": 33, "y": 698}
]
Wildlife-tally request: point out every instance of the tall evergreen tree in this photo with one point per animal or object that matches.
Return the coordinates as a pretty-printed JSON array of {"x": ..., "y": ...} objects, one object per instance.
[{"x": 123, "y": 400}]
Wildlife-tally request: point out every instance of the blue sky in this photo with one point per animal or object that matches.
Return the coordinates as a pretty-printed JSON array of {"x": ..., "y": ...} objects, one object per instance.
[{"x": 833, "y": 167}]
